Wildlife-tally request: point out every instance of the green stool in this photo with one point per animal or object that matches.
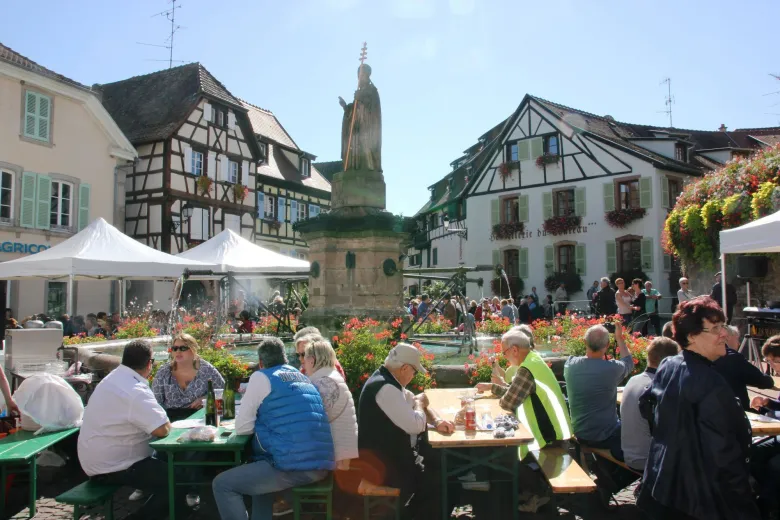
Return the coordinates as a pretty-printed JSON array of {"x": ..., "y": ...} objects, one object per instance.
[
  {"x": 315, "y": 493},
  {"x": 379, "y": 497},
  {"x": 89, "y": 494}
]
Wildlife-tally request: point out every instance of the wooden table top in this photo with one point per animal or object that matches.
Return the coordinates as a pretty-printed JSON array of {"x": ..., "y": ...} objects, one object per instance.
[
  {"x": 230, "y": 442},
  {"x": 447, "y": 403},
  {"x": 23, "y": 445},
  {"x": 763, "y": 427}
]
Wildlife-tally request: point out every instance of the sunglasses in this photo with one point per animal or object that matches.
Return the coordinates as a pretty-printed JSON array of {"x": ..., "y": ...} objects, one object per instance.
[{"x": 180, "y": 348}]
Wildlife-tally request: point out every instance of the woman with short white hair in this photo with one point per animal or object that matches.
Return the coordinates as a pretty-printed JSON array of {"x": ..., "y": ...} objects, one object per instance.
[{"x": 319, "y": 362}]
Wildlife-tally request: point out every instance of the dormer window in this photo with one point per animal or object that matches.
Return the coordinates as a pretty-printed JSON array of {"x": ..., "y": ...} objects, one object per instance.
[
  {"x": 305, "y": 167},
  {"x": 680, "y": 152},
  {"x": 263, "y": 152}
]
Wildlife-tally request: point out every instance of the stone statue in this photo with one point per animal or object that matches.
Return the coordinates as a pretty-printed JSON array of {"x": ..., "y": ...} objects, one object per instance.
[{"x": 361, "y": 127}]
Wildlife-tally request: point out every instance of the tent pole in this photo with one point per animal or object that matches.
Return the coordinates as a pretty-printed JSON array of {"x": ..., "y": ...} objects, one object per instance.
[
  {"x": 70, "y": 308},
  {"x": 723, "y": 286},
  {"x": 122, "y": 296}
]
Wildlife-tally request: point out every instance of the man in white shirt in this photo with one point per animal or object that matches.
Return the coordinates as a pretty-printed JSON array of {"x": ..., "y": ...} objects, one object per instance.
[
  {"x": 390, "y": 422},
  {"x": 121, "y": 418}
]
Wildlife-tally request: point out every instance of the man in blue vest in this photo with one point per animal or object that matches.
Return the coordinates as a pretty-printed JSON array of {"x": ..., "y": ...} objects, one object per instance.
[{"x": 291, "y": 444}]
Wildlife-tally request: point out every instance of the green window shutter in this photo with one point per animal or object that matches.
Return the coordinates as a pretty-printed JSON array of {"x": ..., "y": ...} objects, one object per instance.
[
  {"x": 27, "y": 211},
  {"x": 609, "y": 196},
  {"x": 547, "y": 205},
  {"x": 43, "y": 202},
  {"x": 647, "y": 254},
  {"x": 523, "y": 263},
  {"x": 646, "y": 192},
  {"x": 537, "y": 147},
  {"x": 495, "y": 216},
  {"x": 579, "y": 202},
  {"x": 44, "y": 112},
  {"x": 496, "y": 257},
  {"x": 667, "y": 262},
  {"x": 579, "y": 255},
  {"x": 522, "y": 205},
  {"x": 549, "y": 260},
  {"x": 463, "y": 209},
  {"x": 611, "y": 257},
  {"x": 664, "y": 191},
  {"x": 524, "y": 150},
  {"x": 30, "y": 114},
  {"x": 84, "y": 196}
]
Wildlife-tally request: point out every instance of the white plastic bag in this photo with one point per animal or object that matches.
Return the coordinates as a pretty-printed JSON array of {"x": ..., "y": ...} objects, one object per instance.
[
  {"x": 199, "y": 434},
  {"x": 50, "y": 401}
]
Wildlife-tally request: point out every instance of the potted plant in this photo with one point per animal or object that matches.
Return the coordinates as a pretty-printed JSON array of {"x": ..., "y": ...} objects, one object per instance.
[
  {"x": 507, "y": 230},
  {"x": 505, "y": 169},
  {"x": 620, "y": 218},
  {"x": 239, "y": 193},
  {"x": 560, "y": 225},
  {"x": 273, "y": 224},
  {"x": 204, "y": 184},
  {"x": 547, "y": 158}
]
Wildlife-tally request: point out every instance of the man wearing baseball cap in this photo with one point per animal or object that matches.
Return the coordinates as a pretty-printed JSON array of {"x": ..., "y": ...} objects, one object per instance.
[{"x": 390, "y": 423}]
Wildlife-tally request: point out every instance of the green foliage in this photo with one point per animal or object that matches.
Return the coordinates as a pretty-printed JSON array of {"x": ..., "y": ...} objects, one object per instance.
[
  {"x": 500, "y": 288},
  {"x": 81, "y": 339},
  {"x": 573, "y": 282},
  {"x": 494, "y": 325},
  {"x": 435, "y": 324},
  {"x": 135, "y": 328},
  {"x": 480, "y": 368}
]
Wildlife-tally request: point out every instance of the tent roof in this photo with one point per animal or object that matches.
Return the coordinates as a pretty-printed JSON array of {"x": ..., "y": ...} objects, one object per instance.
[
  {"x": 230, "y": 252},
  {"x": 99, "y": 251},
  {"x": 759, "y": 236}
]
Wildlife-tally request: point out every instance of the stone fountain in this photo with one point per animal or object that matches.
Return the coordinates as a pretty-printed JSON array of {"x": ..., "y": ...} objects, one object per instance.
[{"x": 356, "y": 247}]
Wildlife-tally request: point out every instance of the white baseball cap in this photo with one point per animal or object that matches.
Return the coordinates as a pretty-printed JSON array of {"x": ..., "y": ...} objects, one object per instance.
[{"x": 408, "y": 355}]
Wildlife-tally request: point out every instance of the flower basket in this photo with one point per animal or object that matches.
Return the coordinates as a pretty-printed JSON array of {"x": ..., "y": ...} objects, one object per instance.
[
  {"x": 620, "y": 218},
  {"x": 547, "y": 159},
  {"x": 506, "y": 169},
  {"x": 507, "y": 231},
  {"x": 560, "y": 225},
  {"x": 204, "y": 184},
  {"x": 573, "y": 282},
  {"x": 273, "y": 224},
  {"x": 499, "y": 286},
  {"x": 239, "y": 193}
]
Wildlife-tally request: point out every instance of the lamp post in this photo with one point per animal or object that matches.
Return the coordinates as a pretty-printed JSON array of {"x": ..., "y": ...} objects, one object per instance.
[{"x": 462, "y": 232}]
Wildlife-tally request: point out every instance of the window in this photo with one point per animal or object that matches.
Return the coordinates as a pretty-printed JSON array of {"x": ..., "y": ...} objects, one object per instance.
[
  {"x": 270, "y": 207},
  {"x": 233, "y": 172},
  {"x": 263, "y": 152},
  {"x": 512, "y": 152},
  {"x": 630, "y": 255},
  {"x": 415, "y": 260},
  {"x": 197, "y": 163},
  {"x": 55, "y": 298},
  {"x": 200, "y": 224},
  {"x": 435, "y": 256},
  {"x": 6, "y": 195},
  {"x": 434, "y": 220},
  {"x": 303, "y": 211},
  {"x": 61, "y": 195},
  {"x": 510, "y": 211},
  {"x": 680, "y": 152},
  {"x": 551, "y": 145},
  {"x": 220, "y": 117},
  {"x": 305, "y": 168},
  {"x": 512, "y": 262},
  {"x": 628, "y": 194},
  {"x": 37, "y": 116},
  {"x": 675, "y": 188},
  {"x": 302, "y": 256},
  {"x": 567, "y": 262},
  {"x": 564, "y": 203}
]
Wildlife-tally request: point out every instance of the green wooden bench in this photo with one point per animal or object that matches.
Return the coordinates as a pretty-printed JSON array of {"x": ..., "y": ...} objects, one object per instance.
[
  {"x": 90, "y": 494},
  {"x": 315, "y": 493}
]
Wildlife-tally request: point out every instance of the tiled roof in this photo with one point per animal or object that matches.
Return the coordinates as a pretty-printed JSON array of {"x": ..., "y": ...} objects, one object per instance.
[
  {"x": 9, "y": 55},
  {"x": 278, "y": 166},
  {"x": 264, "y": 123},
  {"x": 153, "y": 106},
  {"x": 329, "y": 168}
]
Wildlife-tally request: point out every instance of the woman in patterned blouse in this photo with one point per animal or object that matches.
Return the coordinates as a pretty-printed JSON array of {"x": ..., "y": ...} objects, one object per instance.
[{"x": 180, "y": 385}]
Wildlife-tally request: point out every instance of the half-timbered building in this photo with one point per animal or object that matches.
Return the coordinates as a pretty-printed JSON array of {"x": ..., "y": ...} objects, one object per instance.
[{"x": 555, "y": 190}]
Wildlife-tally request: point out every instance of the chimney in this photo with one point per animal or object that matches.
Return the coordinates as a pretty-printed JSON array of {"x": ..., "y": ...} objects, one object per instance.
[{"x": 722, "y": 128}]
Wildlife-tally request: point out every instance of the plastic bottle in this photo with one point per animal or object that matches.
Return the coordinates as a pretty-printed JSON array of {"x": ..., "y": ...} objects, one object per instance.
[
  {"x": 471, "y": 416},
  {"x": 487, "y": 421}
]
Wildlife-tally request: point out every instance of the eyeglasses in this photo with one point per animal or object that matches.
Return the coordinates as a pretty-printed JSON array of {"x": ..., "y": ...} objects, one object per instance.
[
  {"x": 771, "y": 361},
  {"x": 717, "y": 329},
  {"x": 301, "y": 355},
  {"x": 180, "y": 348},
  {"x": 413, "y": 368}
]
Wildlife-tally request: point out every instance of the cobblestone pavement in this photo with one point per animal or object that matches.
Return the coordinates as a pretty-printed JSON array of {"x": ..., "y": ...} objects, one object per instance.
[{"x": 53, "y": 481}]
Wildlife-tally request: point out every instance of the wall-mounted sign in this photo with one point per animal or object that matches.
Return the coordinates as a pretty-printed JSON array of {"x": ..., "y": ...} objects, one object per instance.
[{"x": 20, "y": 247}]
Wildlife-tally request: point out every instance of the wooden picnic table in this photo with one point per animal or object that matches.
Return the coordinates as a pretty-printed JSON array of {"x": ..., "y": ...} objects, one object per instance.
[
  {"x": 22, "y": 449},
  {"x": 170, "y": 445},
  {"x": 456, "y": 445}
]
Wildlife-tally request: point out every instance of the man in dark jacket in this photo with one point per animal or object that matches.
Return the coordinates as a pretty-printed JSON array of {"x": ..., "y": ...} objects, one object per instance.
[
  {"x": 731, "y": 296},
  {"x": 605, "y": 299},
  {"x": 524, "y": 311}
]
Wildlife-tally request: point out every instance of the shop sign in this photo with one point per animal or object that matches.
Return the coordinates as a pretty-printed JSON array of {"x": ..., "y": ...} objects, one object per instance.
[{"x": 21, "y": 247}]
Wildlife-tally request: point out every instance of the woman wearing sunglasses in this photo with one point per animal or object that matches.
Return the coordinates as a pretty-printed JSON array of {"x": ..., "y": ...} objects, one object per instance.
[{"x": 181, "y": 384}]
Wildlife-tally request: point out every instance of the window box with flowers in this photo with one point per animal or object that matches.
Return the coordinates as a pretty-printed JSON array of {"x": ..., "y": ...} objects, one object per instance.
[
  {"x": 547, "y": 158},
  {"x": 272, "y": 224},
  {"x": 620, "y": 218},
  {"x": 506, "y": 169},
  {"x": 239, "y": 193},
  {"x": 508, "y": 230},
  {"x": 560, "y": 225},
  {"x": 204, "y": 184}
]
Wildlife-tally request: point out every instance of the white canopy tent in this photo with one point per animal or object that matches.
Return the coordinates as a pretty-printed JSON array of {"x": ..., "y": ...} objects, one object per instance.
[
  {"x": 98, "y": 252},
  {"x": 229, "y": 252}
]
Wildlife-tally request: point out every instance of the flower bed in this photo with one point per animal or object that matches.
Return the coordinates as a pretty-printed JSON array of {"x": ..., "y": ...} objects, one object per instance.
[
  {"x": 507, "y": 231},
  {"x": 560, "y": 225},
  {"x": 480, "y": 367},
  {"x": 435, "y": 324},
  {"x": 82, "y": 339},
  {"x": 494, "y": 325},
  {"x": 620, "y": 218},
  {"x": 135, "y": 328}
]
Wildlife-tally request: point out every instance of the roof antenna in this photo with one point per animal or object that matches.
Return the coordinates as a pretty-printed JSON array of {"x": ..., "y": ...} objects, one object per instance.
[
  {"x": 170, "y": 14},
  {"x": 669, "y": 100}
]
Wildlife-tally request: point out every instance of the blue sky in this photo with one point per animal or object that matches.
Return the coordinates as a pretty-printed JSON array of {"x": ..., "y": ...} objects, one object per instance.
[{"x": 447, "y": 70}]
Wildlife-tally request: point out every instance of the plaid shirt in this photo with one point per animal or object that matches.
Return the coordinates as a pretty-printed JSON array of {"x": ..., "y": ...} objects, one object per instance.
[{"x": 512, "y": 396}]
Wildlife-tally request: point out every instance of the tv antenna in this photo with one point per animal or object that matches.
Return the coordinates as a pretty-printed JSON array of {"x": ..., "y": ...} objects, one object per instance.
[
  {"x": 170, "y": 14},
  {"x": 669, "y": 100}
]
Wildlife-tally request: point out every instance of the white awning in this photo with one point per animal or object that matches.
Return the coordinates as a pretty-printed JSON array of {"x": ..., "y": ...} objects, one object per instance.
[{"x": 759, "y": 236}]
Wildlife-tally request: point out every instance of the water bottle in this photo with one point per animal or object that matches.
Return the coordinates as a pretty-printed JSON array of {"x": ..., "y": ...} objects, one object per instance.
[{"x": 487, "y": 421}]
